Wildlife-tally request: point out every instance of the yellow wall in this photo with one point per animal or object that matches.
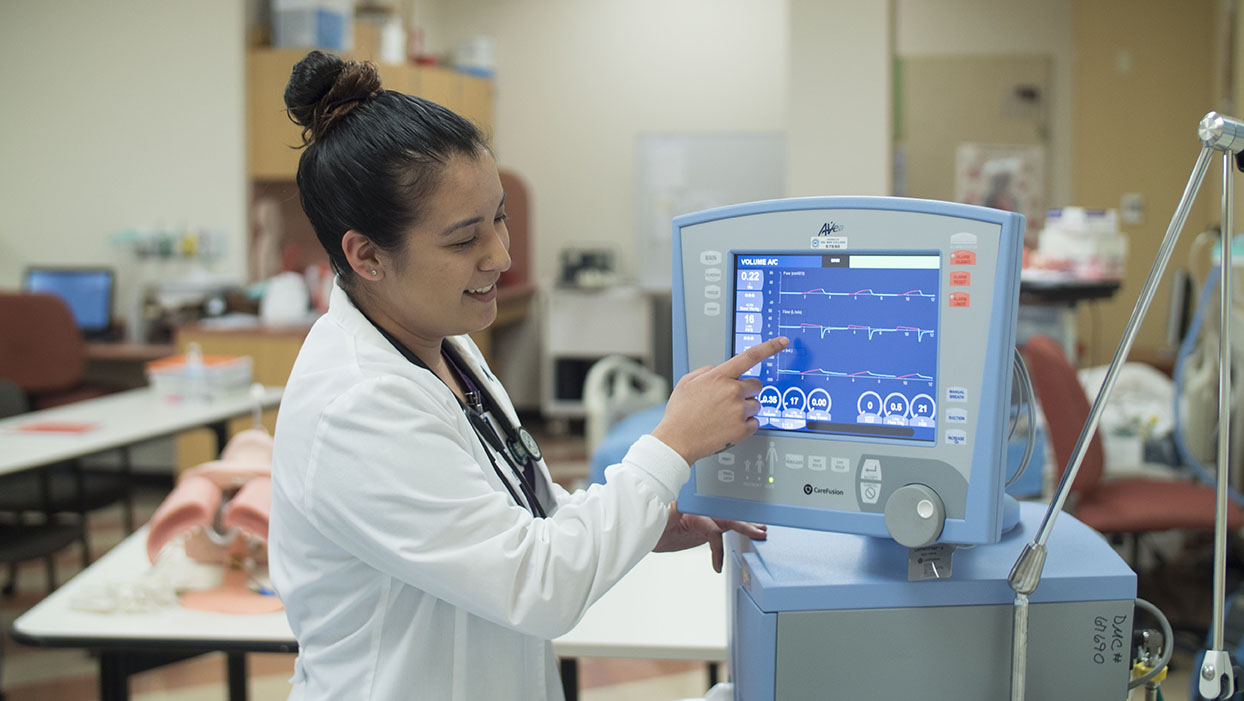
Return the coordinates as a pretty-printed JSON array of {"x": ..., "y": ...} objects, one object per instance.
[{"x": 1135, "y": 132}]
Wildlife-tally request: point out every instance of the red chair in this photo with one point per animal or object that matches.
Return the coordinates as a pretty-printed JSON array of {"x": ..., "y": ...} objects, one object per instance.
[
  {"x": 43, "y": 353},
  {"x": 1131, "y": 506},
  {"x": 42, "y": 350}
]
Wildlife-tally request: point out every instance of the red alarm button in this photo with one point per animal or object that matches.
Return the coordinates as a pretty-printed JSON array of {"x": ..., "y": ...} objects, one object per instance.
[{"x": 963, "y": 257}]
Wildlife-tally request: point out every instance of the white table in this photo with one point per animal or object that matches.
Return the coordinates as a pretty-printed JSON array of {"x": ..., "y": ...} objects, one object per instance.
[
  {"x": 671, "y": 606},
  {"x": 120, "y": 419}
]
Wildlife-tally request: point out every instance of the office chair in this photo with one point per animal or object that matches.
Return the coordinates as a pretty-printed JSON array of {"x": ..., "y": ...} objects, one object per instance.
[
  {"x": 1124, "y": 507},
  {"x": 44, "y": 355},
  {"x": 21, "y": 540},
  {"x": 517, "y": 206},
  {"x": 42, "y": 350}
]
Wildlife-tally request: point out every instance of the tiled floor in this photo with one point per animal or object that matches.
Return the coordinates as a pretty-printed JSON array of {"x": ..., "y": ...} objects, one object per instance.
[{"x": 33, "y": 674}]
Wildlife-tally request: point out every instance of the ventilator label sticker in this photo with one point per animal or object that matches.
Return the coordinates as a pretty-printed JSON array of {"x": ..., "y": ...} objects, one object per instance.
[
  {"x": 829, "y": 243},
  {"x": 929, "y": 562}
]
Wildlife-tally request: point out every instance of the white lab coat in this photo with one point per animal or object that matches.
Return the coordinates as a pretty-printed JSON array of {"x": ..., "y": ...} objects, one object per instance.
[{"x": 406, "y": 569}]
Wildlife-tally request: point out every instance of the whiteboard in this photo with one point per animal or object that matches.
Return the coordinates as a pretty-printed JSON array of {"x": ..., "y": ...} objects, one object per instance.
[{"x": 679, "y": 173}]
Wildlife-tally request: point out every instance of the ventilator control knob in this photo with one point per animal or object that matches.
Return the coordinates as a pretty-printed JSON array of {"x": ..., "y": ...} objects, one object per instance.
[{"x": 914, "y": 515}]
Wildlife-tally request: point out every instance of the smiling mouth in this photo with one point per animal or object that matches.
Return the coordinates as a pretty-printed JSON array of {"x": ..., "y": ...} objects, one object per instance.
[{"x": 482, "y": 290}]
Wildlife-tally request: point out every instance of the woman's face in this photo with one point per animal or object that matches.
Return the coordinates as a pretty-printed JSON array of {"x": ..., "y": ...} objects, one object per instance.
[{"x": 443, "y": 282}]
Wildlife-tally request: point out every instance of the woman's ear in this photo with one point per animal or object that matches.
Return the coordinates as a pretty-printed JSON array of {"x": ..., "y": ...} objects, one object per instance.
[{"x": 363, "y": 255}]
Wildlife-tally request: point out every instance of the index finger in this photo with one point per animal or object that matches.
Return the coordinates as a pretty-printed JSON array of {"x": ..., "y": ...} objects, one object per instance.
[{"x": 740, "y": 363}]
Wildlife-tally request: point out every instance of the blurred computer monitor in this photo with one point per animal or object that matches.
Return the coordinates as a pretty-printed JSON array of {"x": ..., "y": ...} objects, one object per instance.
[{"x": 87, "y": 291}]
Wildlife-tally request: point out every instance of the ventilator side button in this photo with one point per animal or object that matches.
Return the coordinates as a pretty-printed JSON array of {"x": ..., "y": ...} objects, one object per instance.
[
  {"x": 710, "y": 257},
  {"x": 957, "y": 437}
]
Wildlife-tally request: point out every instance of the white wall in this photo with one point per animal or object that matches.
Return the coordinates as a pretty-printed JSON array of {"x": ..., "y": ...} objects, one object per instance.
[
  {"x": 977, "y": 27},
  {"x": 118, "y": 114},
  {"x": 840, "y": 126},
  {"x": 578, "y": 80}
]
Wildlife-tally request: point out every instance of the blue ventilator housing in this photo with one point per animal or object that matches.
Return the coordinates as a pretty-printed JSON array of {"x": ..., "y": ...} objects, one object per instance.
[
  {"x": 901, "y": 315},
  {"x": 881, "y": 458},
  {"x": 830, "y": 616}
]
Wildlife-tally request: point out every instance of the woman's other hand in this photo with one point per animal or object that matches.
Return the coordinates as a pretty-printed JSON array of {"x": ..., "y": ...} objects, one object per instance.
[
  {"x": 712, "y": 409},
  {"x": 684, "y": 531}
]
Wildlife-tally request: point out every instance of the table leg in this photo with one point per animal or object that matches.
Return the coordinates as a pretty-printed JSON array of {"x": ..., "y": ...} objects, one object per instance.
[
  {"x": 570, "y": 678},
  {"x": 114, "y": 681},
  {"x": 237, "y": 676},
  {"x": 221, "y": 430},
  {"x": 117, "y": 666}
]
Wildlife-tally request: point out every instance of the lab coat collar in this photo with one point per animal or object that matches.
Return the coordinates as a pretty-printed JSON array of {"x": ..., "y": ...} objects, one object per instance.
[{"x": 342, "y": 310}]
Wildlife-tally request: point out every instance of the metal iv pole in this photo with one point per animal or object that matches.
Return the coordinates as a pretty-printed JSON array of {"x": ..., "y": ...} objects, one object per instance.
[{"x": 1217, "y": 134}]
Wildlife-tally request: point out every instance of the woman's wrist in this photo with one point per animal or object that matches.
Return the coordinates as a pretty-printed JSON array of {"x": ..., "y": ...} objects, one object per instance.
[{"x": 671, "y": 439}]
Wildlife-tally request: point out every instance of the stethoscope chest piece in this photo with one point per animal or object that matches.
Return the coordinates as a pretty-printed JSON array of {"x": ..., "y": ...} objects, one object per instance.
[{"x": 524, "y": 447}]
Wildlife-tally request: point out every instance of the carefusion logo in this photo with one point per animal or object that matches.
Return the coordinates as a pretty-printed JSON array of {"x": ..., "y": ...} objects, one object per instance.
[{"x": 809, "y": 490}]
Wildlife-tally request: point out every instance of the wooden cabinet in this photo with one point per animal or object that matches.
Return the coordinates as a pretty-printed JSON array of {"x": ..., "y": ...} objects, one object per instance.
[{"x": 271, "y": 135}]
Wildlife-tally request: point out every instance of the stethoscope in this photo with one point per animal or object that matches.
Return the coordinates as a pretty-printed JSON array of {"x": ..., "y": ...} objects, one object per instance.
[{"x": 517, "y": 446}]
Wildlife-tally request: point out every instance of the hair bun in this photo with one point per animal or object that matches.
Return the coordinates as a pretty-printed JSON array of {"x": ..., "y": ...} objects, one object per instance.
[{"x": 323, "y": 88}]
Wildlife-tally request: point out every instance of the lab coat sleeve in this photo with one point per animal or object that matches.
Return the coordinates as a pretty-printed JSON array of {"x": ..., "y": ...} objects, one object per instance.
[{"x": 393, "y": 479}]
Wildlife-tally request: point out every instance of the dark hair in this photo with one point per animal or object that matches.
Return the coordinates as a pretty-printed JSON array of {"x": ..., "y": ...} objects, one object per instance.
[{"x": 371, "y": 156}]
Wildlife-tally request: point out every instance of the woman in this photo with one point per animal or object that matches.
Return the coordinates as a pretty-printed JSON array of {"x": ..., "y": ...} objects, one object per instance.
[{"x": 418, "y": 544}]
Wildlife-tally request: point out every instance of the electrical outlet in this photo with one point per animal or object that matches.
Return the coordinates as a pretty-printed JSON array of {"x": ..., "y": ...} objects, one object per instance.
[{"x": 1132, "y": 208}]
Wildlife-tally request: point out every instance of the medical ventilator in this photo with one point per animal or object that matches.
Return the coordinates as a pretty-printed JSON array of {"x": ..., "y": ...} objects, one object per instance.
[{"x": 880, "y": 458}]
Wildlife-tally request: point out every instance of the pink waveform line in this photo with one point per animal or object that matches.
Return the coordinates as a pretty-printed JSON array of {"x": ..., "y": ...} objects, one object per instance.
[
  {"x": 858, "y": 326},
  {"x": 869, "y": 290},
  {"x": 910, "y": 374},
  {"x": 916, "y": 291},
  {"x": 817, "y": 289},
  {"x": 815, "y": 326},
  {"x": 909, "y": 328}
]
